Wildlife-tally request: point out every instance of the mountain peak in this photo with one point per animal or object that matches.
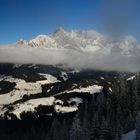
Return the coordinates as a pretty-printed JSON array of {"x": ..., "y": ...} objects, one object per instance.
[{"x": 60, "y": 30}]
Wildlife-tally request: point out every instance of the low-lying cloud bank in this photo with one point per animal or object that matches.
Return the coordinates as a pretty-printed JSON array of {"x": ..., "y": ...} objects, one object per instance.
[{"x": 99, "y": 60}]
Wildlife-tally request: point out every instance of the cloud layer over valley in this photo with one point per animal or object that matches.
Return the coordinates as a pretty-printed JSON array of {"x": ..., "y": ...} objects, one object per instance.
[{"x": 100, "y": 52}]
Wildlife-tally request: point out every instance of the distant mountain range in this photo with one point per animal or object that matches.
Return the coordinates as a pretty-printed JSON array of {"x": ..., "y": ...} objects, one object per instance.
[{"x": 89, "y": 40}]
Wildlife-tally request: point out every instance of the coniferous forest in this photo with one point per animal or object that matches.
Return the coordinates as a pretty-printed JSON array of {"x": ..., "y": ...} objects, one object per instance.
[{"x": 106, "y": 116}]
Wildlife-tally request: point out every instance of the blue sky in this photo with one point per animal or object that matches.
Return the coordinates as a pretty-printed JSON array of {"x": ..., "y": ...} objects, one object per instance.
[{"x": 29, "y": 18}]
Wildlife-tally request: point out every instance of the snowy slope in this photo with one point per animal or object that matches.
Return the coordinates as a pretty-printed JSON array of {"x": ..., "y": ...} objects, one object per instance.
[
  {"x": 24, "y": 88},
  {"x": 131, "y": 78},
  {"x": 31, "y": 104},
  {"x": 129, "y": 136},
  {"x": 89, "y": 89}
]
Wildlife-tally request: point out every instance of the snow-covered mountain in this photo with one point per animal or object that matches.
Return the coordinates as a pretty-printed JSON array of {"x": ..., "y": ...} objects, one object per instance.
[
  {"x": 29, "y": 88},
  {"x": 89, "y": 40},
  {"x": 63, "y": 39}
]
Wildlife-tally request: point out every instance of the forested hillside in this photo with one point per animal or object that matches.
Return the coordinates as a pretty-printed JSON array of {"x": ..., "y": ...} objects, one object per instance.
[{"x": 107, "y": 116}]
